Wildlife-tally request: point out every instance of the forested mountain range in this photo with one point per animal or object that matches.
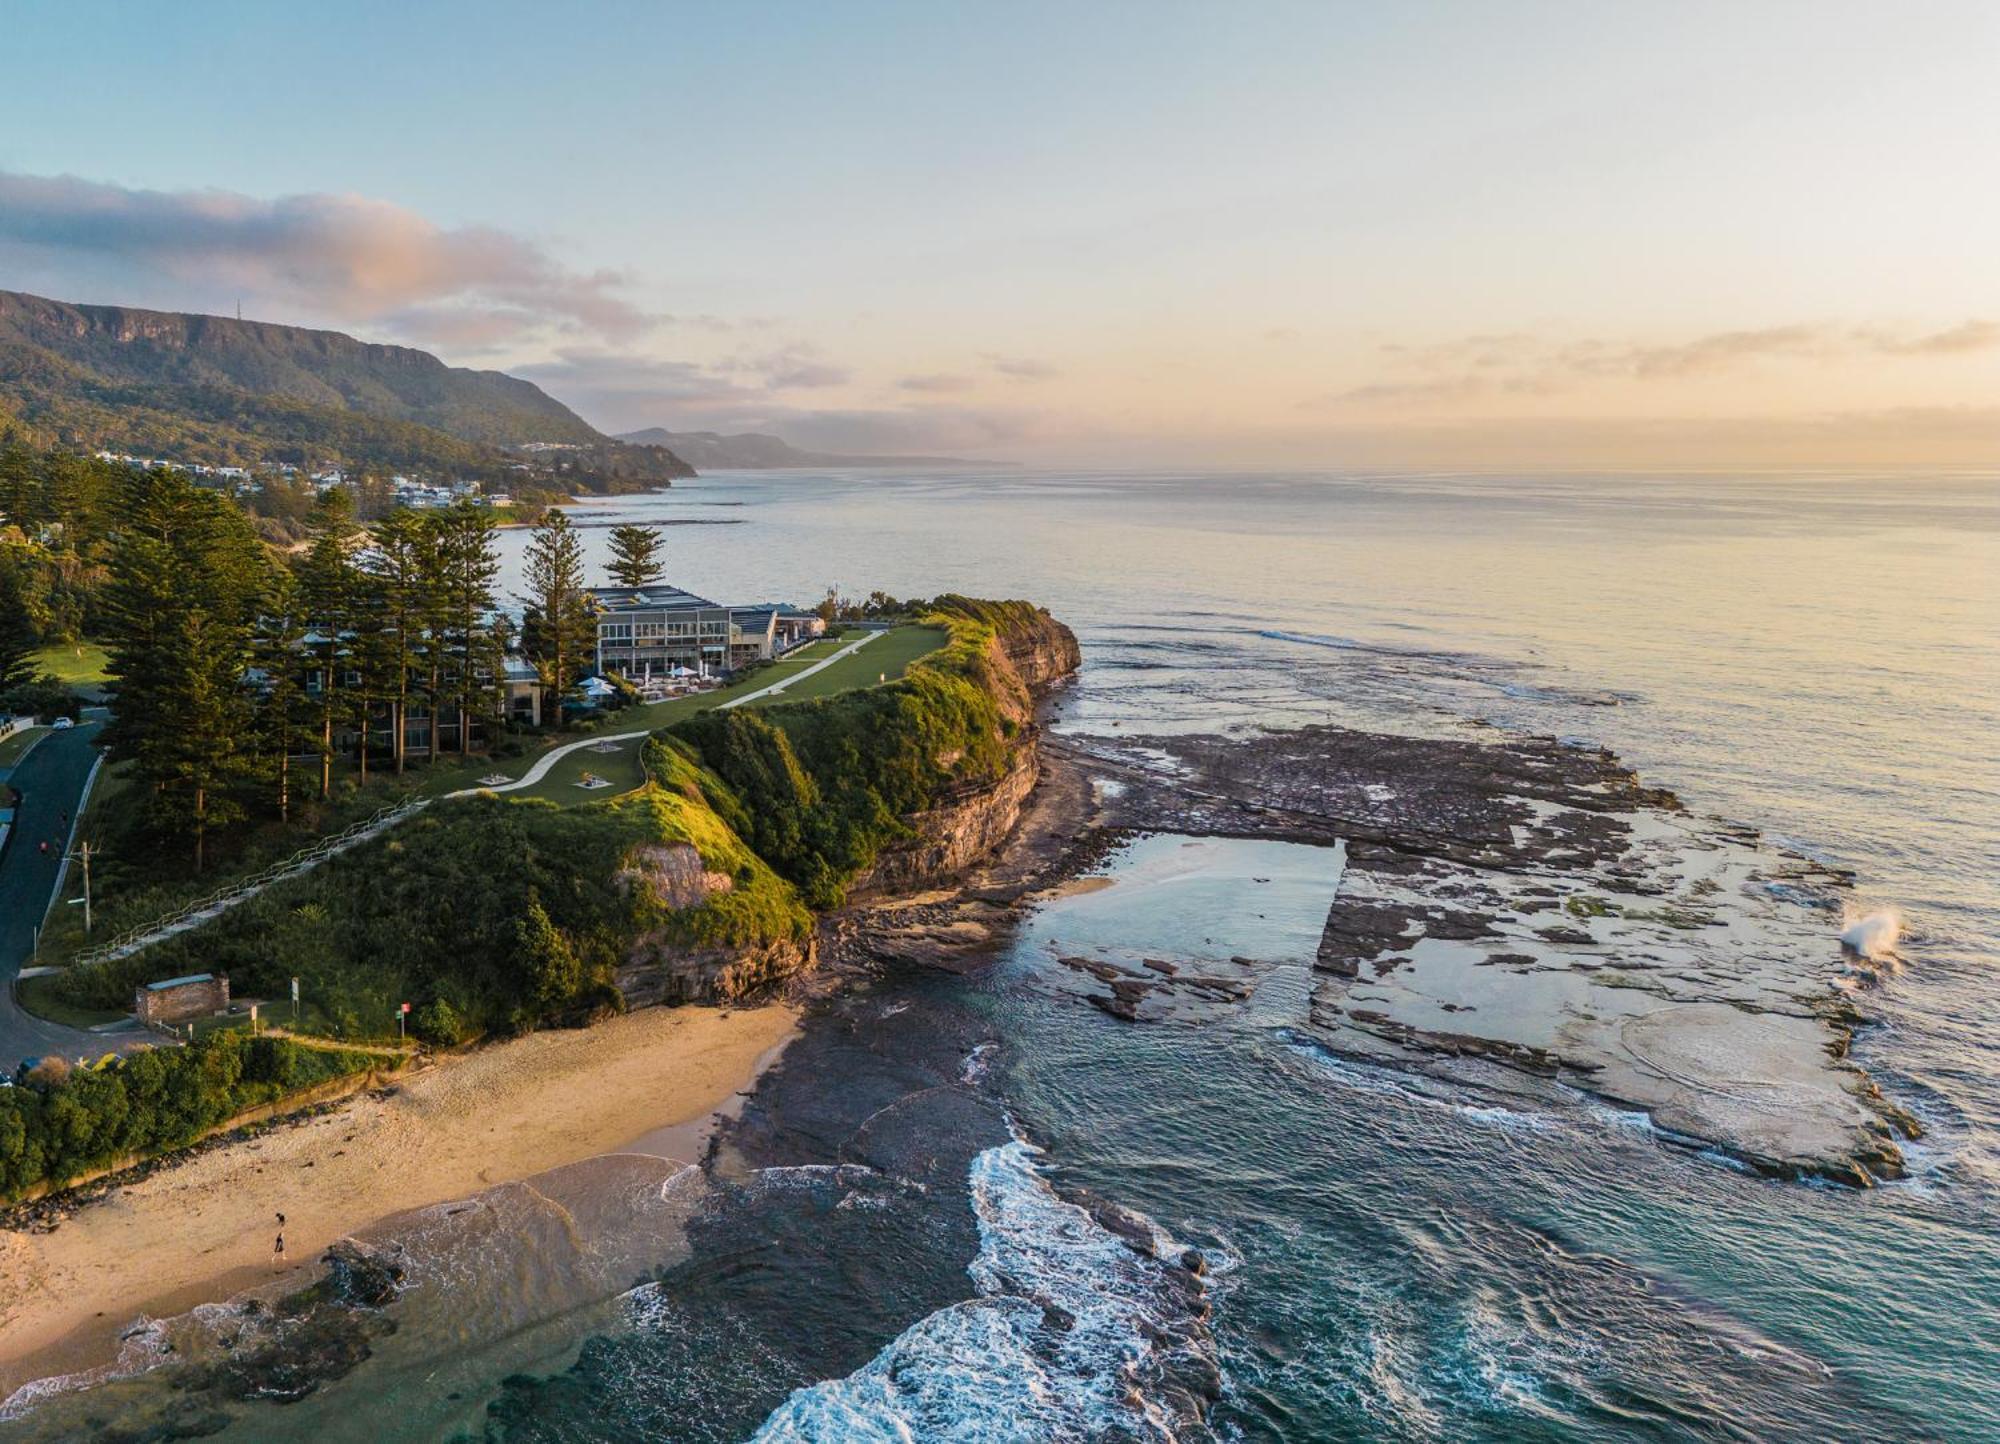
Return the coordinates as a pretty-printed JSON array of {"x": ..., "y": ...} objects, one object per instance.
[{"x": 221, "y": 391}]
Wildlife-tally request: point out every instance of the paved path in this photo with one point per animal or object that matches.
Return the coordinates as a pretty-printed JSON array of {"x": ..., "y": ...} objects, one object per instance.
[
  {"x": 554, "y": 755},
  {"x": 804, "y": 672},
  {"x": 50, "y": 779}
]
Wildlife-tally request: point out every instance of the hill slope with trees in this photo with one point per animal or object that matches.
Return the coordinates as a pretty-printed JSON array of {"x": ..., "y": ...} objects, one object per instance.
[{"x": 222, "y": 391}]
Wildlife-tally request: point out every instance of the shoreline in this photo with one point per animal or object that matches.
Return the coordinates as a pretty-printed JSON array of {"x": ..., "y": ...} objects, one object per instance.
[{"x": 203, "y": 1230}]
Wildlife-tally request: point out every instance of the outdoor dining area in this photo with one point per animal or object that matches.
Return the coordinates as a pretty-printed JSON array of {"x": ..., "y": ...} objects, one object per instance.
[{"x": 673, "y": 682}]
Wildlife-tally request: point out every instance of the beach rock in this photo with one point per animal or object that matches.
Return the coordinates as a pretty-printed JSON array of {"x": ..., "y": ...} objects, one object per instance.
[{"x": 1538, "y": 906}]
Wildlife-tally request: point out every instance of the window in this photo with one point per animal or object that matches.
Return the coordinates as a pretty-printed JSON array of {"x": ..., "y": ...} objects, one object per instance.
[{"x": 615, "y": 631}]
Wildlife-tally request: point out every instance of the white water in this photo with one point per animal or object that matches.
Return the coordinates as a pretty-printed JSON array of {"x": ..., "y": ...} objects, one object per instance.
[
  {"x": 1873, "y": 936},
  {"x": 1002, "y": 1365}
]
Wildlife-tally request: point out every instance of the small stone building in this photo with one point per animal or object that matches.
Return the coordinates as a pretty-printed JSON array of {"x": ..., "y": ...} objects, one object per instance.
[{"x": 199, "y": 995}]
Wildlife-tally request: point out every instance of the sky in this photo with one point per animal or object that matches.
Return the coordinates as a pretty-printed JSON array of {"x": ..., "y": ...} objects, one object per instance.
[{"x": 1483, "y": 234}]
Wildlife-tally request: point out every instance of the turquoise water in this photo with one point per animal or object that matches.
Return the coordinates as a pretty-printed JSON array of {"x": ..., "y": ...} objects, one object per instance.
[
  {"x": 1819, "y": 656},
  {"x": 1389, "y": 1258}
]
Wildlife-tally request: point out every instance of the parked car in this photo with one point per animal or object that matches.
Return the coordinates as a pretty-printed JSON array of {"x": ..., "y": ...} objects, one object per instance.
[{"x": 62, "y": 722}]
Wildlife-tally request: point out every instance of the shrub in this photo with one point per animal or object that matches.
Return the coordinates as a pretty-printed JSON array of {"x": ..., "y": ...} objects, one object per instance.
[
  {"x": 439, "y": 1024},
  {"x": 823, "y": 785},
  {"x": 45, "y": 698},
  {"x": 152, "y": 1101}
]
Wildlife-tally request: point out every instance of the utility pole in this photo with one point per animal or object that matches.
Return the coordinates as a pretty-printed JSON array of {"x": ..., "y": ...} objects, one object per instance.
[{"x": 84, "y": 853}]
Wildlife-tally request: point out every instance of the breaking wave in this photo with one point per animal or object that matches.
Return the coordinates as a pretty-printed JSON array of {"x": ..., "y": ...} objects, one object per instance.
[
  {"x": 1075, "y": 1333},
  {"x": 1873, "y": 935}
]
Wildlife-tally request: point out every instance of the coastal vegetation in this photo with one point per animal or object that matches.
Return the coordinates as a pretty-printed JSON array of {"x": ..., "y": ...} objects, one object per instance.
[
  {"x": 826, "y": 783},
  {"x": 62, "y": 1123},
  {"x": 491, "y": 915},
  {"x": 228, "y": 662}
]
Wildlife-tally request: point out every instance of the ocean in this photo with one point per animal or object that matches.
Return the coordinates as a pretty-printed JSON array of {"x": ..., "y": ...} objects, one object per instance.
[{"x": 1387, "y": 1257}]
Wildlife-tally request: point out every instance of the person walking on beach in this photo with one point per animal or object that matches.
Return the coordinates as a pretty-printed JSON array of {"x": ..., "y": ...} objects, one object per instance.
[{"x": 278, "y": 1254}]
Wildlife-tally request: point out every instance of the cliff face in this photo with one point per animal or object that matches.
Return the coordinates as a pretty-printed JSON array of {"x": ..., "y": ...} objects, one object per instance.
[
  {"x": 1031, "y": 652},
  {"x": 1042, "y": 652},
  {"x": 959, "y": 832},
  {"x": 663, "y": 966},
  {"x": 1023, "y": 653},
  {"x": 657, "y": 970}
]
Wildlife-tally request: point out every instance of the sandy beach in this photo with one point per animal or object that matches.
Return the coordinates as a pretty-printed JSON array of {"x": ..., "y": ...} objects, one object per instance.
[{"x": 205, "y": 1229}]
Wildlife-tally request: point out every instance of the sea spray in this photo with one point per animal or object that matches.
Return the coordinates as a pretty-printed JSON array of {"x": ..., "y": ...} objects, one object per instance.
[
  {"x": 1076, "y": 1332},
  {"x": 1871, "y": 935}
]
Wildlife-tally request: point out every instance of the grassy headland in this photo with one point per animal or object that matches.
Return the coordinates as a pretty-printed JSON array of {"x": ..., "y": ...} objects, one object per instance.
[{"x": 497, "y": 914}]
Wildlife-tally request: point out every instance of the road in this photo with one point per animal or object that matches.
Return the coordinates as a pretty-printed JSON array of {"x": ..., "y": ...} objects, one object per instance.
[{"x": 50, "y": 780}]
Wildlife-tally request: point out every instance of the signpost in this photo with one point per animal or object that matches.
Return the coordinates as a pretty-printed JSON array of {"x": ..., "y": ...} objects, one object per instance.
[
  {"x": 295, "y": 1002},
  {"x": 401, "y": 1013}
]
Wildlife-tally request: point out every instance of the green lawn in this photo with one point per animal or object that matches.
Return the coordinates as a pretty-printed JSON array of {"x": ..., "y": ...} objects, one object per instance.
[
  {"x": 564, "y": 784},
  {"x": 15, "y": 747},
  {"x": 622, "y": 768},
  {"x": 80, "y": 665},
  {"x": 884, "y": 659}
]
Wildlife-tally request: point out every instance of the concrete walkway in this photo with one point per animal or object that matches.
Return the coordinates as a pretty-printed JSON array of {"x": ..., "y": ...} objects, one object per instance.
[
  {"x": 804, "y": 672},
  {"x": 550, "y": 758}
]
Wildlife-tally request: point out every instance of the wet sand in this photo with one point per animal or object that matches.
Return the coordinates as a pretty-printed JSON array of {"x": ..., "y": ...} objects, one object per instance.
[{"x": 205, "y": 1229}]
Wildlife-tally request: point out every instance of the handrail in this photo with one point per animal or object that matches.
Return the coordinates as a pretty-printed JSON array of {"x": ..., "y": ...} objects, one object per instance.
[{"x": 242, "y": 889}]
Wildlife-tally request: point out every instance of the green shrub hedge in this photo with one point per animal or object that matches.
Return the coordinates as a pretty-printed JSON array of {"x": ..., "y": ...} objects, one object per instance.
[{"x": 150, "y": 1102}]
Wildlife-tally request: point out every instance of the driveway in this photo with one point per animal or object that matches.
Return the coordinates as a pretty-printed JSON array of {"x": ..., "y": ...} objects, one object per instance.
[{"x": 50, "y": 780}]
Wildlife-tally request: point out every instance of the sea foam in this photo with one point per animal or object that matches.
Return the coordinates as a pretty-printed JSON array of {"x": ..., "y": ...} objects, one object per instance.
[
  {"x": 1061, "y": 1341},
  {"x": 1873, "y": 935}
]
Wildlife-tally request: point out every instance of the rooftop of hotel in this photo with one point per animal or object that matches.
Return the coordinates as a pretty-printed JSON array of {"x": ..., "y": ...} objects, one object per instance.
[{"x": 654, "y": 594}]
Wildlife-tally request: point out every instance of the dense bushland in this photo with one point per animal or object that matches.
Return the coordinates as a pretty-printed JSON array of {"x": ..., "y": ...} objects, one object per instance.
[
  {"x": 487, "y": 915},
  {"x": 64, "y": 1123}
]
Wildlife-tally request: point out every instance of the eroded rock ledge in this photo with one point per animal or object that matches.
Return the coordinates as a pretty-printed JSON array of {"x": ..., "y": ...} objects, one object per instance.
[
  {"x": 1536, "y": 905},
  {"x": 1514, "y": 901}
]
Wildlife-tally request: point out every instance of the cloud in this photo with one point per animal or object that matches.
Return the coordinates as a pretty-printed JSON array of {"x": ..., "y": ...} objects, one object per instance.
[
  {"x": 616, "y": 384},
  {"x": 1965, "y": 337},
  {"x": 620, "y": 392},
  {"x": 806, "y": 375},
  {"x": 936, "y": 382},
  {"x": 1021, "y": 368},
  {"x": 1516, "y": 363},
  {"x": 345, "y": 258},
  {"x": 1704, "y": 355},
  {"x": 797, "y": 367},
  {"x": 956, "y": 430}
]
